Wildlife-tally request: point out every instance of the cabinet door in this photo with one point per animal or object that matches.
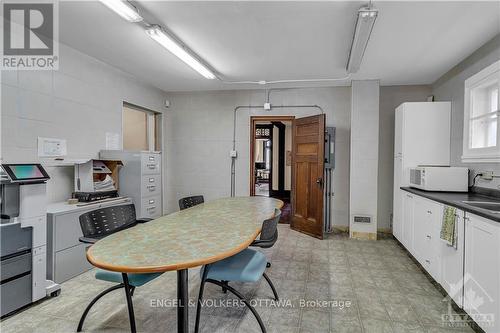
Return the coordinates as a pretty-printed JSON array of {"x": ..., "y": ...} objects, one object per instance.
[
  {"x": 452, "y": 263},
  {"x": 420, "y": 231},
  {"x": 408, "y": 203},
  {"x": 482, "y": 271},
  {"x": 434, "y": 212},
  {"x": 397, "y": 227}
]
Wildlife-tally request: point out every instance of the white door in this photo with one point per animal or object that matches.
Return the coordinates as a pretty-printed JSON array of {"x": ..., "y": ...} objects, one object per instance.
[
  {"x": 408, "y": 221},
  {"x": 482, "y": 272},
  {"x": 452, "y": 263}
]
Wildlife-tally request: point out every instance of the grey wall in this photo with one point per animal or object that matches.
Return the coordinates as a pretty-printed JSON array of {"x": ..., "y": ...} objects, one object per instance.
[
  {"x": 199, "y": 133},
  {"x": 450, "y": 87},
  {"x": 80, "y": 103},
  {"x": 390, "y": 98}
]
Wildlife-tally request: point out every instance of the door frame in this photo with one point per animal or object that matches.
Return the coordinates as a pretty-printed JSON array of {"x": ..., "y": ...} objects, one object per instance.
[{"x": 253, "y": 123}]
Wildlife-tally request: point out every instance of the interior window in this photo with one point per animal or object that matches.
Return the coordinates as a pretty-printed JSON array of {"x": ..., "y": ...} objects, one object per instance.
[
  {"x": 481, "y": 133},
  {"x": 140, "y": 129}
]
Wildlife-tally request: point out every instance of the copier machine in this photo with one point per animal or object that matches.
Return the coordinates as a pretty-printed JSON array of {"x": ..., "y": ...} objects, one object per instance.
[{"x": 23, "y": 232}]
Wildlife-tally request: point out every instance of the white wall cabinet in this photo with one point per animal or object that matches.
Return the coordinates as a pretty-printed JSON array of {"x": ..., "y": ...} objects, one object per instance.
[{"x": 482, "y": 272}]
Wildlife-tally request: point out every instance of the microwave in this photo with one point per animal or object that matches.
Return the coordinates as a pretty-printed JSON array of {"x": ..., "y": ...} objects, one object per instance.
[{"x": 446, "y": 179}]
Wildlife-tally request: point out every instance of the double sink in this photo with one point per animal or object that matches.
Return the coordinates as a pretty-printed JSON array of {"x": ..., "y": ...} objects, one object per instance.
[{"x": 492, "y": 206}]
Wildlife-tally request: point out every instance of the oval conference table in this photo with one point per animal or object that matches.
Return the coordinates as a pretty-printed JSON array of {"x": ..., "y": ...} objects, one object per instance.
[{"x": 199, "y": 235}]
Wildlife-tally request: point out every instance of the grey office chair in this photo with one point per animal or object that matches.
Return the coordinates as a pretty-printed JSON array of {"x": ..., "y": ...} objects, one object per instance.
[
  {"x": 246, "y": 266},
  {"x": 188, "y": 202},
  {"x": 103, "y": 222}
]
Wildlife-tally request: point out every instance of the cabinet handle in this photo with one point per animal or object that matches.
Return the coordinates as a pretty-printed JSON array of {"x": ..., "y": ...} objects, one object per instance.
[
  {"x": 151, "y": 187},
  {"x": 152, "y": 166},
  {"x": 429, "y": 212},
  {"x": 427, "y": 261},
  {"x": 151, "y": 208},
  {"x": 429, "y": 237}
]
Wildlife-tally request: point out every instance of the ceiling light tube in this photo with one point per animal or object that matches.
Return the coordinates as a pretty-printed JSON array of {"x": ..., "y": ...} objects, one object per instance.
[
  {"x": 364, "y": 25},
  {"x": 124, "y": 9},
  {"x": 168, "y": 42}
]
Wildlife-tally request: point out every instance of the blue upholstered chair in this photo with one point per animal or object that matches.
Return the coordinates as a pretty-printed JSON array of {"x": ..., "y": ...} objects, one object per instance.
[
  {"x": 247, "y": 266},
  {"x": 103, "y": 222}
]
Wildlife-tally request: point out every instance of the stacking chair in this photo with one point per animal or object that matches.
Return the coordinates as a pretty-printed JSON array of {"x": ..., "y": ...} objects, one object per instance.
[
  {"x": 103, "y": 222},
  {"x": 188, "y": 202},
  {"x": 266, "y": 239},
  {"x": 247, "y": 266}
]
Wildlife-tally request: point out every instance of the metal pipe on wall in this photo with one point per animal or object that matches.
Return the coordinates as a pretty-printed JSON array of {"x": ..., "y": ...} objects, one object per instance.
[{"x": 239, "y": 107}]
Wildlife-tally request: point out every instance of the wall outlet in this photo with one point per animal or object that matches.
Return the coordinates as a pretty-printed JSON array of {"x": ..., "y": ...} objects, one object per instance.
[
  {"x": 487, "y": 175},
  {"x": 267, "y": 106},
  {"x": 233, "y": 154}
]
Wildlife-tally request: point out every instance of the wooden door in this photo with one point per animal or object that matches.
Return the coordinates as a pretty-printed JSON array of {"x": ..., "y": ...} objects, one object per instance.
[{"x": 308, "y": 159}]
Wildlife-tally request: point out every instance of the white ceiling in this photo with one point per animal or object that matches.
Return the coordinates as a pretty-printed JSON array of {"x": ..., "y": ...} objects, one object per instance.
[{"x": 412, "y": 42}]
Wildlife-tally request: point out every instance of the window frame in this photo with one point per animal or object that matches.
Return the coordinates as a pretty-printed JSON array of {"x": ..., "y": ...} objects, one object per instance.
[
  {"x": 153, "y": 126},
  {"x": 485, "y": 154}
]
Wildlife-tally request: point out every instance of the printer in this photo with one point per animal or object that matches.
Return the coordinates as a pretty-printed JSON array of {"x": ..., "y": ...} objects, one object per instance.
[{"x": 23, "y": 236}]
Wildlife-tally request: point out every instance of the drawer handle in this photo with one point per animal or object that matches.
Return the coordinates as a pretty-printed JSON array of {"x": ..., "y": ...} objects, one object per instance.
[
  {"x": 151, "y": 208},
  {"x": 151, "y": 158},
  {"x": 152, "y": 166},
  {"x": 427, "y": 261},
  {"x": 429, "y": 237},
  {"x": 429, "y": 212},
  {"x": 151, "y": 180},
  {"x": 151, "y": 187}
]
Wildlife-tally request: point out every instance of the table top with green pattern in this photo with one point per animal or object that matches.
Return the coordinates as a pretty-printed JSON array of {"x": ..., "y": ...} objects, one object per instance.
[{"x": 196, "y": 236}]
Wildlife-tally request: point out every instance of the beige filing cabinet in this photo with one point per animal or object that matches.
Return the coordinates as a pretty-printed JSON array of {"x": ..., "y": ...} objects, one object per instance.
[
  {"x": 65, "y": 253},
  {"x": 140, "y": 179}
]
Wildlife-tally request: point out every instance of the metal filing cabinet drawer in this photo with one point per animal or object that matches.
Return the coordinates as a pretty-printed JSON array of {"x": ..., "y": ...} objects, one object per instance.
[
  {"x": 151, "y": 207},
  {"x": 71, "y": 262},
  {"x": 151, "y": 185},
  {"x": 150, "y": 163}
]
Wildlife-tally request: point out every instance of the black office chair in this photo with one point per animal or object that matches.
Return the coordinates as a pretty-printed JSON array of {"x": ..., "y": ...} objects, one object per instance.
[
  {"x": 188, "y": 202},
  {"x": 103, "y": 222},
  {"x": 268, "y": 236},
  {"x": 246, "y": 266}
]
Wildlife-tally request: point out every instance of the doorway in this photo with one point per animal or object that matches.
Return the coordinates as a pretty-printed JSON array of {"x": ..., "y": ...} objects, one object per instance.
[{"x": 270, "y": 159}]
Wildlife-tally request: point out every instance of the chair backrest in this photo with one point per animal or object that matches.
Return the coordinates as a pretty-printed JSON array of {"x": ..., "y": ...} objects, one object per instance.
[
  {"x": 102, "y": 222},
  {"x": 269, "y": 231},
  {"x": 191, "y": 201}
]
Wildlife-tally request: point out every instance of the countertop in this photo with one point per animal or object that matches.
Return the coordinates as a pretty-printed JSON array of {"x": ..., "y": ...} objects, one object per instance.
[{"x": 455, "y": 199}]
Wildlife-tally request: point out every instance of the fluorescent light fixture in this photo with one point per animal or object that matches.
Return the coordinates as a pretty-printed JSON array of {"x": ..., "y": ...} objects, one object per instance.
[
  {"x": 124, "y": 9},
  {"x": 174, "y": 47},
  {"x": 364, "y": 25}
]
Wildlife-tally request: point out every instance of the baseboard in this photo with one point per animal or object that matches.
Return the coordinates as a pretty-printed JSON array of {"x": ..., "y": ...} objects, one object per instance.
[{"x": 364, "y": 235}]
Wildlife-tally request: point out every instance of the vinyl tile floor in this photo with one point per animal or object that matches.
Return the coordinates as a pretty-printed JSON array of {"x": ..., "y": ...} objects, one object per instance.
[{"x": 333, "y": 285}]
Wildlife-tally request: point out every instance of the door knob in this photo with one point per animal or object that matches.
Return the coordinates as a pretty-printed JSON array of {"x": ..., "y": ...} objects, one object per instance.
[{"x": 319, "y": 181}]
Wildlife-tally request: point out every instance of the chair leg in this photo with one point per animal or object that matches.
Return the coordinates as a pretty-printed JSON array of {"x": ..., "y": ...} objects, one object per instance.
[
  {"x": 129, "y": 302},
  {"x": 224, "y": 289},
  {"x": 241, "y": 297},
  {"x": 200, "y": 299},
  {"x": 272, "y": 286},
  {"x": 132, "y": 290},
  {"x": 91, "y": 304}
]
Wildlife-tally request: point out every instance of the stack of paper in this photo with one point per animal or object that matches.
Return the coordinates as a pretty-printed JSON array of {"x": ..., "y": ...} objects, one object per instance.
[{"x": 105, "y": 185}]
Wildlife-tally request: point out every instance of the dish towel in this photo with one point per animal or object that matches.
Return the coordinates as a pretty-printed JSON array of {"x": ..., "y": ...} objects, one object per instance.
[{"x": 448, "y": 225}]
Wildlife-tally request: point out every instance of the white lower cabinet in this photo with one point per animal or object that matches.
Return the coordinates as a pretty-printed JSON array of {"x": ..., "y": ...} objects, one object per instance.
[
  {"x": 426, "y": 228},
  {"x": 482, "y": 272},
  {"x": 407, "y": 225},
  {"x": 452, "y": 262},
  {"x": 469, "y": 271}
]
